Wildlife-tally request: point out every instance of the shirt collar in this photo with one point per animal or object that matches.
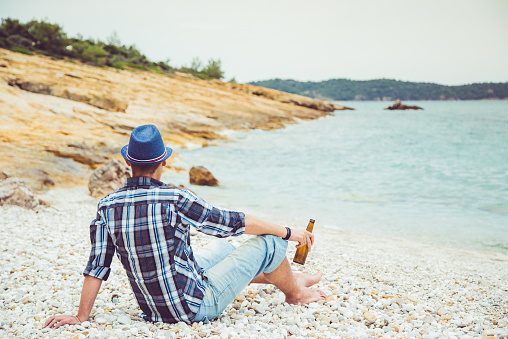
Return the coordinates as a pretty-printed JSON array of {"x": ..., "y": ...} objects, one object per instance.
[{"x": 143, "y": 181}]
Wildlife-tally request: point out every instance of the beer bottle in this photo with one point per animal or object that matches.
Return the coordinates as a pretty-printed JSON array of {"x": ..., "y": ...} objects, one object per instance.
[{"x": 301, "y": 252}]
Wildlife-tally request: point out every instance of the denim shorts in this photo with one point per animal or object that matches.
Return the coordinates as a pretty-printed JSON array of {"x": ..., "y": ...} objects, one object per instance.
[{"x": 229, "y": 269}]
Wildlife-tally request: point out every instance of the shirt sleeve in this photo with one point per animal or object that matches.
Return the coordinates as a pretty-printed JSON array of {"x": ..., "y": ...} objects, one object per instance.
[
  {"x": 207, "y": 219},
  {"x": 102, "y": 251}
]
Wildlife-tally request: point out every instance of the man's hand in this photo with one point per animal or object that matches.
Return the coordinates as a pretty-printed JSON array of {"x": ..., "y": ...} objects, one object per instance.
[
  {"x": 91, "y": 287},
  {"x": 303, "y": 237},
  {"x": 257, "y": 226},
  {"x": 56, "y": 321}
]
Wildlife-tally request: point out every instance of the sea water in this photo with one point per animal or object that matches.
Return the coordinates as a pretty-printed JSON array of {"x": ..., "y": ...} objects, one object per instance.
[{"x": 439, "y": 175}]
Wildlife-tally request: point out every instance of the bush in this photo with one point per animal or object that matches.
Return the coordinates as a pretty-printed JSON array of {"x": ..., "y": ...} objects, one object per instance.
[
  {"x": 213, "y": 69},
  {"x": 14, "y": 27},
  {"x": 22, "y": 50},
  {"x": 95, "y": 55},
  {"x": 4, "y": 43},
  {"x": 118, "y": 65},
  {"x": 19, "y": 40},
  {"x": 136, "y": 66},
  {"x": 48, "y": 37},
  {"x": 155, "y": 69}
]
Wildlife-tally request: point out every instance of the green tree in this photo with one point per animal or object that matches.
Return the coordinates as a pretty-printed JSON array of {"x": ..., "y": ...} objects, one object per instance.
[
  {"x": 14, "y": 27},
  {"x": 48, "y": 37},
  {"x": 213, "y": 69}
]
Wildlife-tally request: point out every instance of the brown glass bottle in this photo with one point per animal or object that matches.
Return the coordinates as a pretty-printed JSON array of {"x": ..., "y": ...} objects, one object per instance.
[{"x": 301, "y": 252}]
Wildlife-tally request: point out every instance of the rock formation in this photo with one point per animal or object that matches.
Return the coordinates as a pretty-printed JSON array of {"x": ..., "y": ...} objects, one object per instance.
[
  {"x": 100, "y": 100},
  {"x": 108, "y": 178},
  {"x": 3, "y": 175},
  {"x": 398, "y": 105},
  {"x": 60, "y": 120},
  {"x": 342, "y": 108},
  {"x": 14, "y": 191},
  {"x": 199, "y": 175}
]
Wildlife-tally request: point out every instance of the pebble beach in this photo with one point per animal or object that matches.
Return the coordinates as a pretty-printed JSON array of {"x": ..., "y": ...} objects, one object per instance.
[{"x": 377, "y": 287}]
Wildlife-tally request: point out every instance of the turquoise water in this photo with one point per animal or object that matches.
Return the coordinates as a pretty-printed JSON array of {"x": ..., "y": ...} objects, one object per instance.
[{"x": 439, "y": 175}]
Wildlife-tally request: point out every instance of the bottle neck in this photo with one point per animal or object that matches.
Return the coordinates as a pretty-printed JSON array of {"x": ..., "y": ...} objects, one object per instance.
[{"x": 310, "y": 226}]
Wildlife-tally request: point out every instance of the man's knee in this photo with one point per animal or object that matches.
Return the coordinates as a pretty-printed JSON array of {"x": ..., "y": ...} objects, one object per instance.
[
  {"x": 274, "y": 242},
  {"x": 275, "y": 251}
]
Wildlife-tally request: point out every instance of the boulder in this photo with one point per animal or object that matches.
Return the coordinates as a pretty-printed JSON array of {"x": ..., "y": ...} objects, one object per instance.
[
  {"x": 14, "y": 191},
  {"x": 398, "y": 105},
  {"x": 199, "y": 175},
  {"x": 3, "y": 175},
  {"x": 108, "y": 177}
]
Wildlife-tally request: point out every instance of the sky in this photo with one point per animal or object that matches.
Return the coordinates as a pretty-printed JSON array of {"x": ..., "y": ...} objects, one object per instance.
[{"x": 449, "y": 42}]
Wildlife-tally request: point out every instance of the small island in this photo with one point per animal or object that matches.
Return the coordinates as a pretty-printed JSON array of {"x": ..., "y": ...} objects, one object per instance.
[{"x": 398, "y": 105}]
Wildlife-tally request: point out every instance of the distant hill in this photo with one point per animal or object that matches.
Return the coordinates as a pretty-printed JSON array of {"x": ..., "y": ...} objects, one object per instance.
[{"x": 386, "y": 89}]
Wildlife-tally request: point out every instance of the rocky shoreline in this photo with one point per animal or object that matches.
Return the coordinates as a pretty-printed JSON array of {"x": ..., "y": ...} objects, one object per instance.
[
  {"x": 376, "y": 287},
  {"x": 61, "y": 119}
]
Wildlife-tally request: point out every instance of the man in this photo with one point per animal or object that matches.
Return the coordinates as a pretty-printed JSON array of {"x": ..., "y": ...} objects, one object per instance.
[{"x": 147, "y": 223}]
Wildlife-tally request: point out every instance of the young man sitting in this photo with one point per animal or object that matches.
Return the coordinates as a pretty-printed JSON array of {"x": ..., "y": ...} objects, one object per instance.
[{"x": 147, "y": 224}]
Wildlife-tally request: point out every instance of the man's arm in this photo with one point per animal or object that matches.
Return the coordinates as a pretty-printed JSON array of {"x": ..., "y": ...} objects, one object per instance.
[
  {"x": 91, "y": 287},
  {"x": 256, "y": 226}
]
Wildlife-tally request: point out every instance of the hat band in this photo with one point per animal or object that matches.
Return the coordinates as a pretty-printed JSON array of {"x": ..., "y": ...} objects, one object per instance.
[{"x": 149, "y": 160}]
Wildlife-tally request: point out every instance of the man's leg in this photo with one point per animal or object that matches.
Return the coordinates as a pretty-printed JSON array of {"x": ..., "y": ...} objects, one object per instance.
[
  {"x": 213, "y": 253},
  {"x": 302, "y": 279},
  {"x": 261, "y": 254},
  {"x": 284, "y": 279},
  {"x": 217, "y": 250}
]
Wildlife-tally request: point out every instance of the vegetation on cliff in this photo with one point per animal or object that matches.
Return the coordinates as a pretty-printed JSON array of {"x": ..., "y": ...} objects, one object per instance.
[
  {"x": 386, "y": 89},
  {"x": 49, "y": 39}
]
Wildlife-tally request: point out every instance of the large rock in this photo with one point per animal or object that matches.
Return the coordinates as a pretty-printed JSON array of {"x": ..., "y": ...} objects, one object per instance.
[
  {"x": 14, "y": 191},
  {"x": 398, "y": 105},
  {"x": 108, "y": 177},
  {"x": 199, "y": 175}
]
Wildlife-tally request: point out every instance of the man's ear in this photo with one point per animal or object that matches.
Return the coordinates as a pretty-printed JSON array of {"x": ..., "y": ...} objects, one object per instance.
[
  {"x": 128, "y": 163},
  {"x": 164, "y": 163}
]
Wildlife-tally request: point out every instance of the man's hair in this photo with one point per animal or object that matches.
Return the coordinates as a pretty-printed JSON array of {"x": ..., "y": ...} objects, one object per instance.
[{"x": 140, "y": 170}]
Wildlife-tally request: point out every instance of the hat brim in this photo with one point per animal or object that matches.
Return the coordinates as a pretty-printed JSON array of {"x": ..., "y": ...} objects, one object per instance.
[{"x": 124, "y": 149}]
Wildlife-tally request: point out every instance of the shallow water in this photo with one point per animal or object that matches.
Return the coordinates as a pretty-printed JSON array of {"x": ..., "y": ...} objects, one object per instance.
[{"x": 439, "y": 175}]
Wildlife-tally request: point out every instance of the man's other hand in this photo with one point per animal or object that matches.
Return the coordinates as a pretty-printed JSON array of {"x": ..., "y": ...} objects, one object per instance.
[
  {"x": 56, "y": 321},
  {"x": 303, "y": 237}
]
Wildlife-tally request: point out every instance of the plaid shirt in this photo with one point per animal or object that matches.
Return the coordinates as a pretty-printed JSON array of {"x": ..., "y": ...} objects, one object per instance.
[{"x": 147, "y": 223}]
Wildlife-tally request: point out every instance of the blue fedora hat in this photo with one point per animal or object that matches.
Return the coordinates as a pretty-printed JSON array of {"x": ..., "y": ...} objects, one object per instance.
[{"x": 145, "y": 146}]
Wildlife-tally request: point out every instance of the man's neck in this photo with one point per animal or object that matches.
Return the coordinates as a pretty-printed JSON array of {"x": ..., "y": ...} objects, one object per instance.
[{"x": 152, "y": 176}]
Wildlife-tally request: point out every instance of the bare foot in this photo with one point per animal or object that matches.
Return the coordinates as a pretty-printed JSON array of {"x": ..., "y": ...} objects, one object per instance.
[
  {"x": 305, "y": 296},
  {"x": 307, "y": 280}
]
